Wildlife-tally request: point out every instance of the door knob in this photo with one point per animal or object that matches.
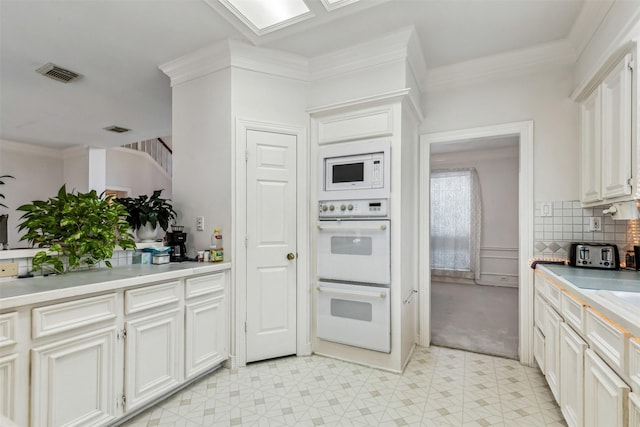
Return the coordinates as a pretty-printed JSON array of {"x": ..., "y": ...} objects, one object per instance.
[{"x": 290, "y": 256}]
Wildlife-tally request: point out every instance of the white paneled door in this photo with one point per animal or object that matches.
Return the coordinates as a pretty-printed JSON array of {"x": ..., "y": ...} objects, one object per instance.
[{"x": 271, "y": 245}]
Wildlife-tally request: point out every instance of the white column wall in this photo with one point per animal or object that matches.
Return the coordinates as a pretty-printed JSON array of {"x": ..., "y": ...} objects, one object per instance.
[{"x": 202, "y": 157}]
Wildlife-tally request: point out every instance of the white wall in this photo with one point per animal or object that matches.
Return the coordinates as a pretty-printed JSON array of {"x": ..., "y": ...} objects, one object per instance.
[
  {"x": 136, "y": 172},
  {"x": 543, "y": 98},
  {"x": 38, "y": 175},
  {"x": 202, "y": 157}
]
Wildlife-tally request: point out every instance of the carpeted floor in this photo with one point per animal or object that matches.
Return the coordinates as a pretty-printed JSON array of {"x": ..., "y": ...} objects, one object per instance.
[{"x": 482, "y": 319}]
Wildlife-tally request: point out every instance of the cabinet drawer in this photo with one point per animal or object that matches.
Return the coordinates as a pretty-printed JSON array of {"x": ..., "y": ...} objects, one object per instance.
[
  {"x": 204, "y": 285},
  {"x": 53, "y": 319},
  {"x": 8, "y": 329},
  {"x": 539, "y": 284},
  {"x": 573, "y": 310},
  {"x": 634, "y": 363},
  {"x": 140, "y": 299},
  {"x": 607, "y": 338},
  {"x": 553, "y": 294}
]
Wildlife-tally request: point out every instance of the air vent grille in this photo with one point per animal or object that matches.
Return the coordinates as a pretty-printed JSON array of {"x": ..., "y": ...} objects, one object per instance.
[
  {"x": 57, "y": 73},
  {"x": 117, "y": 129}
]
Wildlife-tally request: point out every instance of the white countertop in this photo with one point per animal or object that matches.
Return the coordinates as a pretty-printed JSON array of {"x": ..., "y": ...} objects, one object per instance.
[
  {"x": 35, "y": 290},
  {"x": 615, "y": 293}
]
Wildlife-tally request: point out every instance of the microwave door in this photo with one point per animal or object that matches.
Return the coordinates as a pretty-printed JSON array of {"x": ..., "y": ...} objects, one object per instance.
[{"x": 348, "y": 173}]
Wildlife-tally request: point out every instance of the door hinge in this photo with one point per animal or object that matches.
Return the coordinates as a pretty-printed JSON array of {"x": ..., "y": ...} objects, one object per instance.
[
  {"x": 246, "y": 241},
  {"x": 631, "y": 65},
  {"x": 245, "y": 327},
  {"x": 121, "y": 334},
  {"x": 246, "y": 156}
]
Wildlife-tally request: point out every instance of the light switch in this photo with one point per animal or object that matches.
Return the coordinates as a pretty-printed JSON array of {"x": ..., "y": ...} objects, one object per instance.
[{"x": 200, "y": 223}]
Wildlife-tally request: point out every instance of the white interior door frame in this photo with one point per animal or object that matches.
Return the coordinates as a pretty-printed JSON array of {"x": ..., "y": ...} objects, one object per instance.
[
  {"x": 238, "y": 302},
  {"x": 525, "y": 226}
]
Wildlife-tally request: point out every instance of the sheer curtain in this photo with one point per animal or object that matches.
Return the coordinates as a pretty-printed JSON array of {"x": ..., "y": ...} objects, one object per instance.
[{"x": 455, "y": 223}]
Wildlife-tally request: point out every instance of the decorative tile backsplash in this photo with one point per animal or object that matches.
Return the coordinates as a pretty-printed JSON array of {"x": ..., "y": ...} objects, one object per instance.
[{"x": 566, "y": 222}]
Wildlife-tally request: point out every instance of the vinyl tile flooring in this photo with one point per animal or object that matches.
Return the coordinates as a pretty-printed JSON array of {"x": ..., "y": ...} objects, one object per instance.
[{"x": 439, "y": 387}]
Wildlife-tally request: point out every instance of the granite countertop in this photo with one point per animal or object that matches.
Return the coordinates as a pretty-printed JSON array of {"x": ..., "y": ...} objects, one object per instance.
[
  {"x": 34, "y": 290},
  {"x": 616, "y": 293}
]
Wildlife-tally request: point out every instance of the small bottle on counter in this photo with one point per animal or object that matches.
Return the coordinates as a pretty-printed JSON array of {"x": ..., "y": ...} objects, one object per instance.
[{"x": 216, "y": 248}]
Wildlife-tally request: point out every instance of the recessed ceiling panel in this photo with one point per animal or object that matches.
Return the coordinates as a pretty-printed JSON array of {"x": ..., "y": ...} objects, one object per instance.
[
  {"x": 263, "y": 16},
  {"x": 334, "y": 4}
]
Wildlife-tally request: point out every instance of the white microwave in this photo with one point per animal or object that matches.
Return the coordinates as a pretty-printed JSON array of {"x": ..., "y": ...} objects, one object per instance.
[{"x": 356, "y": 170}]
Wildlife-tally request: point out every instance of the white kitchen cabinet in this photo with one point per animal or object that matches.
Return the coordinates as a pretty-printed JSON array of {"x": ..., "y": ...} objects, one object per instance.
[
  {"x": 572, "y": 349},
  {"x": 206, "y": 324},
  {"x": 538, "y": 348},
  {"x": 590, "y": 155},
  {"x": 634, "y": 410},
  {"x": 552, "y": 350},
  {"x": 616, "y": 131},
  {"x": 606, "y": 138},
  {"x": 605, "y": 394},
  {"x": 73, "y": 380},
  {"x": 8, "y": 385},
  {"x": 152, "y": 356}
]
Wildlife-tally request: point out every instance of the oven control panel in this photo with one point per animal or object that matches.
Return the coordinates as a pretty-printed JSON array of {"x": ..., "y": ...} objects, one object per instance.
[{"x": 353, "y": 208}]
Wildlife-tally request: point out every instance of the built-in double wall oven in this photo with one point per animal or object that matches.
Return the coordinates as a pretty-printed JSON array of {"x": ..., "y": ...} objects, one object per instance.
[{"x": 354, "y": 273}]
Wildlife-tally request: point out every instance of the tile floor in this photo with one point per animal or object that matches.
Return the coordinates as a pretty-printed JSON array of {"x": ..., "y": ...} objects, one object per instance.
[{"x": 440, "y": 387}]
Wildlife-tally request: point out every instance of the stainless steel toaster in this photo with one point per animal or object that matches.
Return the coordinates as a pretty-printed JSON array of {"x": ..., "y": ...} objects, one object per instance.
[{"x": 594, "y": 255}]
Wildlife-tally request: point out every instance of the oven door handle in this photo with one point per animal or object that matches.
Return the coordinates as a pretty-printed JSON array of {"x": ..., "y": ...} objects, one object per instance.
[
  {"x": 351, "y": 227},
  {"x": 382, "y": 295}
]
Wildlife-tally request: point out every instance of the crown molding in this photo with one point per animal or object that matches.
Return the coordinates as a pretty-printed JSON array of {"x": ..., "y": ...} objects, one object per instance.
[
  {"x": 505, "y": 65},
  {"x": 31, "y": 149},
  {"x": 369, "y": 101},
  {"x": 587, "y": 23},
  {"x": 197, "y": 64},
  {"x": 233, "y": 53},
  {"x": 391, "y": 48},
  {"x": 268, "y": 61}
]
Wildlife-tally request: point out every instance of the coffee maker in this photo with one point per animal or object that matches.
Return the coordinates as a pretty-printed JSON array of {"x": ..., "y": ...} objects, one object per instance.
[{"x": 177, "y": 241}]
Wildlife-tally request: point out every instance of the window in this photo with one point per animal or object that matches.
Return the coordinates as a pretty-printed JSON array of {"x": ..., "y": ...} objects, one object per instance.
[{"x": 455, "y": 223}]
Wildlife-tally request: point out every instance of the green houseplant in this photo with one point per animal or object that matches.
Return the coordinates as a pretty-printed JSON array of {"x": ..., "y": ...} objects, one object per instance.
[
  {"x": 151, "y": 211},
  {"x": 83, "y": 228}
]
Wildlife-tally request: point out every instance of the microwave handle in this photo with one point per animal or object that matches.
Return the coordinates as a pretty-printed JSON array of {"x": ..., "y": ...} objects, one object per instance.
[
  {"x": 355, "y": 293},
  {"x": 351, "y": 227}
]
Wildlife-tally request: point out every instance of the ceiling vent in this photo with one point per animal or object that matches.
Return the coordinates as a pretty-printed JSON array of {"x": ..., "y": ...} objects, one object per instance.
[
  {"x": 117, "y": 129},
  {"x": 57, "y": 73}
]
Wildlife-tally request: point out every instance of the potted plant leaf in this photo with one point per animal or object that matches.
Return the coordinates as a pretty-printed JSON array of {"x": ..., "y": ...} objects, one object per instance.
[
  {"x": 147, "y": 213},
  {"x": 78, "y": 230}
]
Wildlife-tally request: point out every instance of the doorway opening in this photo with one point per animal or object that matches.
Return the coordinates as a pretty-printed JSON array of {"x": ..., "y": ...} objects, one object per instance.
[
  {"x": 474, "y": 245},
  {"x": 523, "y": 131}
]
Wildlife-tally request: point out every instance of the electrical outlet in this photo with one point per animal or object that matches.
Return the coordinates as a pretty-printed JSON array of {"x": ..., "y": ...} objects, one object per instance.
[
  {"x": 9, "y": 269},
  {"x": 595, "y": 223},
  {"x": 200, "y": 223},
  {"x": 546, "y": 209}
]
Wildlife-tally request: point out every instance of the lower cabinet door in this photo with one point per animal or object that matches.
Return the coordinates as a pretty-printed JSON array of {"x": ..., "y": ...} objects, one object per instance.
[
  {"x": 152, "y": 356},
  {"x": 205, "y": 335},
  {"x": 572, "y": 349},
  {"x": 552, "y": 350},
  {"x": 634, "y": 410},
  {"x": 605, "y": 394},
  {"x": 538, "y": 348},
  {"x": 72, "y": 381}
]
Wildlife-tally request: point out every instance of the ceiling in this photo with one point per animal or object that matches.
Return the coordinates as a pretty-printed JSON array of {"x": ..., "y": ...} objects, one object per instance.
[{"x": 117, "y": 45}]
